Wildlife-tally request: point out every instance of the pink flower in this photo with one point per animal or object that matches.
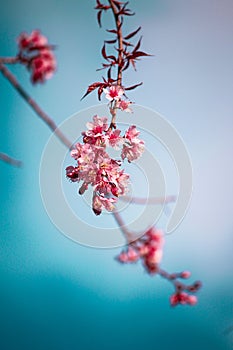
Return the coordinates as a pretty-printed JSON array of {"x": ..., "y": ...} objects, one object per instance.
[
  {"x": 110, "y": 179},
  {"x": 185, "y": 274},
  {"x": 37, "y": 55},
  {"x": 32, "y": 41},
  {"x": 94, "y": 135},
  {"x": 133, "y": 256},
  {"x": 99, "y": 201},
  {"x": 43, "y": 66},
  {"x": 123, "y": 257},
  {"x": 132, "y": 151},
  {"x": 114, "y": 92},
  {"x": 113, "y": 138},
  {"x": 145, "y": 249},
  {"x": 133, "y": 146},
  {"x": 132, "y": 133},
  {"x": 124, "y": 106},
  {"x": 182, "y": 298}
]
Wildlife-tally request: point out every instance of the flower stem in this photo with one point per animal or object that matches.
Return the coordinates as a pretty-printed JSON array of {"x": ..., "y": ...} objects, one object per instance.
[
  {"x": 152, "y": 200},
  {"x": 120, "y": 41},
  {"x": 118, "y": 22},
  {"x": 127, "y": 234},
  {"x": 51, "y": 124}
]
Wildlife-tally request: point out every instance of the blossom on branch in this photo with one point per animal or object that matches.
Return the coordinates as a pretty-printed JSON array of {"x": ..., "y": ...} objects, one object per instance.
[
  {"x": 148, "y": 249},
  {"x": 182, "y": 298},
  {"x": 114, "y": 92},
  {"x": 133, "y": 146},
  {"x": 96, "y": 168},
  {"x": 37, "y": 55},
  {"x": 124, "y": 106}
]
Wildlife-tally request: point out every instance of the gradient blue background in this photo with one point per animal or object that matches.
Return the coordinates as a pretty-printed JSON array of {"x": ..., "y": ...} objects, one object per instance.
[{"x": 56, "y": 294}]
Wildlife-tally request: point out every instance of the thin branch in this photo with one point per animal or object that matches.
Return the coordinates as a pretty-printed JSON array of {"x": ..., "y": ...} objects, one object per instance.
[
  {"x": 120, "y": 41},
  {"x": 51, "y": 124},
  {"x": 9, "y": 60},
  {"x": 118, "y": 22},
  {"x": 154, "y": 200},
  {"x": 12, "y": 161},
  {"x": 128, "y": 235}
]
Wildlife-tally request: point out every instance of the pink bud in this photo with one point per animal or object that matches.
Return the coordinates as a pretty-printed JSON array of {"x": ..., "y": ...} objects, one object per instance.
[
  {"x": 132, "y": 255},
  {"x": 191, "y": 299},
  {"x": 185, "y": 274},
  {"x": 123, "y": 257}
]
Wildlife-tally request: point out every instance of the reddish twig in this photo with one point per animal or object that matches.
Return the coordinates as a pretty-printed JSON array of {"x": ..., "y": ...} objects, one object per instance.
[
  {"x": 51, "y": 124},
  {"x": 180, "y": 286},
  {"x": 9, "y": 60},
  {"x": 127, "y": 234},
  {"x": 154, "y": 200},
  {"x": 120, "y": 41},
  {"x": 12, "y": 161},
  {"x": 118, "y": 22}
]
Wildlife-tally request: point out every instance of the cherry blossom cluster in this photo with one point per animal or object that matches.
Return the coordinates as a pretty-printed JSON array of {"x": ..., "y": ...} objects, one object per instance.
[
  {"x": 96, "y": 168},
  {"x": 37, "y": 55},
  {"x": 148, "y": 249},
  {"x": 182, "y": 294}
]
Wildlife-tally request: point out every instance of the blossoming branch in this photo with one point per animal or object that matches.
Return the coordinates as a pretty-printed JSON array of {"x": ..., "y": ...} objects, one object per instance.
[{"x": 94, "y": 166}]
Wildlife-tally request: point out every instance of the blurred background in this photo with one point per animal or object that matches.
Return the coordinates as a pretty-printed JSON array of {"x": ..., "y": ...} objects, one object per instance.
[{"x": 57, "y": 294}]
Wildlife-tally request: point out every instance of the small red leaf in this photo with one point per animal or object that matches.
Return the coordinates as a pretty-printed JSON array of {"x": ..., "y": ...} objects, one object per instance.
[
  {"x": 114, "y": 31},
  {"x": 129, "y": 36},
  {"x": 99, "y": 18},
  {"x": 139, "y": 54},
  {"x": 91, "y": 88},
  {"x": 100, "y": 91},
  {"x": 109, "y": 73},
  {"x": 103, "y": 51},
  {"x": 110, "y": 41},
  {"x": 133, "y": 86},
  {"x": 127, "y": 43},
  {"x": 138, "y": 45}
]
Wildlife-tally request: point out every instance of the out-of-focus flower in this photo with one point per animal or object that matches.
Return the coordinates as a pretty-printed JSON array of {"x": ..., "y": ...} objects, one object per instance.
[
  {"x": 148, "y": 248},
  {"x": 37, "y": 55},
  {"x": 182, "y": 298}
]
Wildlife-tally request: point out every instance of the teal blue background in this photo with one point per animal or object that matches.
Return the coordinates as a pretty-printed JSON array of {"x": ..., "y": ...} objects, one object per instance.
[{"x": 56, "y": 294}]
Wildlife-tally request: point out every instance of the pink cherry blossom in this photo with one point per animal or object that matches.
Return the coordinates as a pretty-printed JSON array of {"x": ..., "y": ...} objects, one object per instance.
[
  {"x": 132, "y": 133},
  {"x": 32, "y": 41},
  {"x": 96, "y": 168},
  {"x": 148, "y": 248},
  {"x": 43, "y": 66},
  {"x": 37, "y": 55},
  {"x": 114, "y": 92},
  {"x": 99, "y": 201},
  {"x": 114, "y": 139},
  {"x": 182, "y": 298},
  {"x": 94, "y": 135},
  {"x": 133, "y": 146},
  {"x": 185, "y": 274},
  {"x": 132, "y": 150},
  {"x": 124, "y": 106}
]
